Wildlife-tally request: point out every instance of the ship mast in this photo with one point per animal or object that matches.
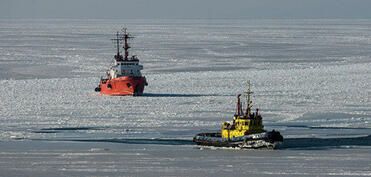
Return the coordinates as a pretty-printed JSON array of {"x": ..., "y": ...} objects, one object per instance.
[
  {"x": 249, "y": 105},
  {"x": 118, "y": 57},
  {"x": 126, "y": 45},
  {"x": 117, "y": 44}
]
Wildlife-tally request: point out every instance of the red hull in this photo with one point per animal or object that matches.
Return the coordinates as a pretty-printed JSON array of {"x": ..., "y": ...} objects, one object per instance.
[{"x": 121, "y": 86}]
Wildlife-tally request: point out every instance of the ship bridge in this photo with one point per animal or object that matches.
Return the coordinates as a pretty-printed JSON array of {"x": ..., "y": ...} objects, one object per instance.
[{"x": 126, "y": 68}]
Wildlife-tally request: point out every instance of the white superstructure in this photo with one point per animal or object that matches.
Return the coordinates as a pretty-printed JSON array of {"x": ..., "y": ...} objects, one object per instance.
[{"x": 126, "y": 68}]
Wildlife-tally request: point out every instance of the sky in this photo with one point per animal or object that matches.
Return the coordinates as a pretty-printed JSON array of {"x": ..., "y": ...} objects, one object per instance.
[{"x": 188, "y": 9}]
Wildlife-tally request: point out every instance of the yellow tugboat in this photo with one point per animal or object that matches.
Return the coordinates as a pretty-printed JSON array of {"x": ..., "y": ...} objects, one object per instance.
[{"x": 245, "y": 131}]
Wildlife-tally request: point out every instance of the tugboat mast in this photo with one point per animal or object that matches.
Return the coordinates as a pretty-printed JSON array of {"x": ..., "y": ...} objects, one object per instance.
[{"x": 248, "y": 108}]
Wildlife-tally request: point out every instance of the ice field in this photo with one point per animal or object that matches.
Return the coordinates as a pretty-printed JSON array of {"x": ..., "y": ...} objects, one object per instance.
[{"x": 310, "y": 78}]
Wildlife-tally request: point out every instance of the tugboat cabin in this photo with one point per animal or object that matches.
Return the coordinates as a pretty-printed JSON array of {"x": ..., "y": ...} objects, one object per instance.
[{"x": 243, "y": 124}]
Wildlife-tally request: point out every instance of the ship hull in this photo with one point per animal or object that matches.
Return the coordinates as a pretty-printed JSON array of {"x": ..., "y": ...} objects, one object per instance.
[
  {"x": 268, "y": 140},
  {"x": 122, "y": 86}
]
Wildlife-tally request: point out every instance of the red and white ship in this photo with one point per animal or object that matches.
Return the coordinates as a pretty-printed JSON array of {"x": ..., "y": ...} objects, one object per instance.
[{"x": 124, "y": 76}]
